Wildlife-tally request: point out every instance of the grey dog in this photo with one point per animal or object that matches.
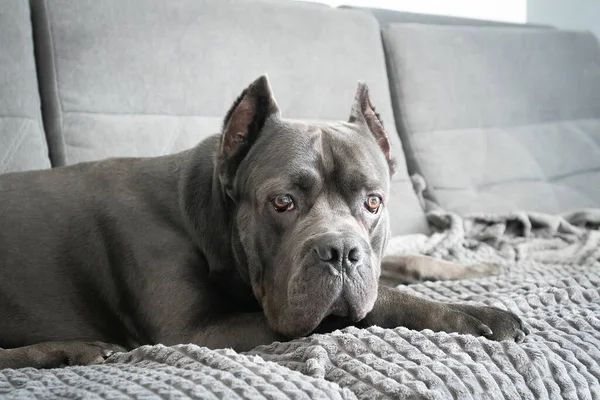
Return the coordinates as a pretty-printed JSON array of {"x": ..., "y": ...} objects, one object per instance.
[{"x": 271, "y": 230}]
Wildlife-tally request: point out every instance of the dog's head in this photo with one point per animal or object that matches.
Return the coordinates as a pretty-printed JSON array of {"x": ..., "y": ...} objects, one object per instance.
[{"x": 310, "y": 208}]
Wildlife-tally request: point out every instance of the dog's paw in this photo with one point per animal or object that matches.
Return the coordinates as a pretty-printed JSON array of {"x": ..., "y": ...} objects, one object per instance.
[
  {"x": 490, "y": 322},
  {"x": 72, "y": 352},
  {"x": 479, "y": 270}
]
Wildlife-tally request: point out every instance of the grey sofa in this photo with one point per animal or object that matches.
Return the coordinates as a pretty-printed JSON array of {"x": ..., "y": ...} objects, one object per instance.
[
  {"x": 150, "y": 78},
  {"x": 493, "y": 118}
]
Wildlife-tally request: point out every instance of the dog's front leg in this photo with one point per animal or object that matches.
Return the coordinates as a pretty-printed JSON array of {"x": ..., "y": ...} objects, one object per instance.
[
  {"x": 394, "y": 308},
  {"x": 241, "y": 332},
  {"x": 57, "y": 354},
  {"x": 407, "y": 269}
]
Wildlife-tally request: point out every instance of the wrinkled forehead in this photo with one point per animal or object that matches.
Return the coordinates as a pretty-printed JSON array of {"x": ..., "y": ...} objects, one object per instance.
[{"x": 298, "y": 154}]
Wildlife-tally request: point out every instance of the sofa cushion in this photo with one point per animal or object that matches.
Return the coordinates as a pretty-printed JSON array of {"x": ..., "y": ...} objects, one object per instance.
[
  {"x": 150, "y": 77},
  {"x": 22, "y": 142},
  {"x": 499, "y": 119}
]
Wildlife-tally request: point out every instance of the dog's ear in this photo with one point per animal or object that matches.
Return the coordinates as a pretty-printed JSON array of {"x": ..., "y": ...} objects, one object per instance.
[
  {"x": 364, "y": 113},
  {"x": 243, "y": 123}
]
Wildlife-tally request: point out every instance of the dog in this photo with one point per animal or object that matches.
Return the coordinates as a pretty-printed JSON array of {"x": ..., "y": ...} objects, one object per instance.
[{"x": 271, "y": 230}]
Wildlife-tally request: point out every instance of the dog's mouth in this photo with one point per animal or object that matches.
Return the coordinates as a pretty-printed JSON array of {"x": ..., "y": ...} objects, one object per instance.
[
  {"x": 298, "y": 320},
  {"x": 343, "y": 309},
  {"x": 310, "y": 294},
  {"x": 340, "y": 308}
]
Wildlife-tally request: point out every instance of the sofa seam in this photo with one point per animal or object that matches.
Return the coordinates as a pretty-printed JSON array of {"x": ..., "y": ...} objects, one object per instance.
[
  {"x": 142, "y": 113},
  {"x": 545, "y": 179},
  {"x": 38, "y": 119},
  {"x": 405, "y": 126},
  {"x": 35, "y": 119},
  {"x": 16, "y": 144},
  {"x": 516, "y": 125},
  {"x": 55, "y": 81}
]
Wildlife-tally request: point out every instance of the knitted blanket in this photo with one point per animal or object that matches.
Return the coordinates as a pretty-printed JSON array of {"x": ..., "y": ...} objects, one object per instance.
[{"x": 550, "y": 276}]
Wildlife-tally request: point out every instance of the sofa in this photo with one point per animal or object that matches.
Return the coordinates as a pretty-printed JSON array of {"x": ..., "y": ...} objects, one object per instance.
[{"x": 495, "y": 128}]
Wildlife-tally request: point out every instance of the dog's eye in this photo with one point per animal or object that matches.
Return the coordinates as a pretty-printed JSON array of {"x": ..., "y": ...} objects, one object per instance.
[
  {"x": 283, "y": 202},
  {"x": 373, "y": 203}
]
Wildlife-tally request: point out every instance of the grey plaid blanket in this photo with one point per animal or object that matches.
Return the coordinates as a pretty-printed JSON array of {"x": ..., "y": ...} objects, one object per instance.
[{"x": 550, "y": 277}]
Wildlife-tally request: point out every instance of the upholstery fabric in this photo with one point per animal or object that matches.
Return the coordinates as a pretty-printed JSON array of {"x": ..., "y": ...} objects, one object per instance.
[
  {"x": 499, "y": 119},
  {"x": 22, "y": 142},
  {"x": 149, "y": 77}
]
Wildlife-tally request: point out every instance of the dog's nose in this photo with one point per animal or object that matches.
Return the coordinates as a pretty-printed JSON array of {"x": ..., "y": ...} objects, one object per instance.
[{"x": 339, "y": 253}]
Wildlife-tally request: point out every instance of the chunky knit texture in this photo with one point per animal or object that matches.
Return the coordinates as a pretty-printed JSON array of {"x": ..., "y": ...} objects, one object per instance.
[{"x": 550, "y": 276}]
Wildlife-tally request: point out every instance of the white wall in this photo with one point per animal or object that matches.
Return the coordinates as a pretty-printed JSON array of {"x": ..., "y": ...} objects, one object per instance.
[
  {"x": 497, "y": 10},
  {"x": 566, "y": 14}
]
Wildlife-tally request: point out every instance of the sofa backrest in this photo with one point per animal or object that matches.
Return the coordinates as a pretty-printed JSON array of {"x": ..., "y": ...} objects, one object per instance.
[
  {"x": 22, "y": 142},
  {"x": 151, "y": 77},
  {"x": 499, "y": 119}
]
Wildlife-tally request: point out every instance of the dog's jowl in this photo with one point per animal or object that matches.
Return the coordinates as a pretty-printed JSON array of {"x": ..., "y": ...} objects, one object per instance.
[{"x": 270, "y": 230}]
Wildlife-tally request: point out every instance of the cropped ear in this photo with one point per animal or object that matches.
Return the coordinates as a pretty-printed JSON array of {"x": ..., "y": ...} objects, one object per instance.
[
  {"x": 242, "y": 125},
  {"x": 363, "y": 113}
]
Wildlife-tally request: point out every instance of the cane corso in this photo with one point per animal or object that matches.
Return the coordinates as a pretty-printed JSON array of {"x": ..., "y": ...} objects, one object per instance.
[{"x": 271, "y": 230}]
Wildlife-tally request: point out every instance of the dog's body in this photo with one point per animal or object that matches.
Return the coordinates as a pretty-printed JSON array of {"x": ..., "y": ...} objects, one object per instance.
[{"x": 271, "y": 230}]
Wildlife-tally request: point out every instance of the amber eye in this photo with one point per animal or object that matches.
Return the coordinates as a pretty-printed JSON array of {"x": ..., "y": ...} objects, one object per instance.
[
  {"x": 283, "y": 202},
  {"x": 373, "y": 203}
]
